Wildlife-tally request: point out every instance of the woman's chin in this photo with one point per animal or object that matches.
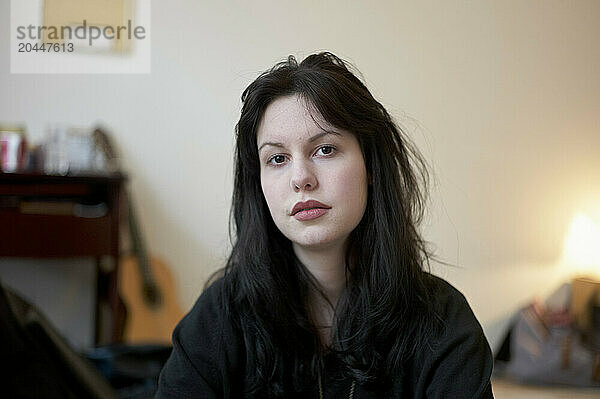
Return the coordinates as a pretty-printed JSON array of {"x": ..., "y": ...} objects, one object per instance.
[{"x": 317, "y": 242}]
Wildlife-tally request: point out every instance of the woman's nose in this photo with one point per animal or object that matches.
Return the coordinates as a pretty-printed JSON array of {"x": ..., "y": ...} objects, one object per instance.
[{"x": 303, "y": 177}]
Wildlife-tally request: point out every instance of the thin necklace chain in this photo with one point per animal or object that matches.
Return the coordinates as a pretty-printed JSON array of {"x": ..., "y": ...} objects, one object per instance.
[{"x": 350, "y": 396}]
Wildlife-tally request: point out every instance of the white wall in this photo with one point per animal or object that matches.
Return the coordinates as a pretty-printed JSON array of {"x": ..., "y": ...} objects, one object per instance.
[{"x": 502, "y": 97}]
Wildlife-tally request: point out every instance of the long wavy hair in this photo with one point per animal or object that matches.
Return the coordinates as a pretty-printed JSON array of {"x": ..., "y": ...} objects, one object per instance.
[{"x": 384, "y": 315}]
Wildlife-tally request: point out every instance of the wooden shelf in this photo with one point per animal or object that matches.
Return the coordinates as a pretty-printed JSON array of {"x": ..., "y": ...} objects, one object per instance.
[
  {"x": 52, "y": 236},
  {"x": 33, "y": 234}
]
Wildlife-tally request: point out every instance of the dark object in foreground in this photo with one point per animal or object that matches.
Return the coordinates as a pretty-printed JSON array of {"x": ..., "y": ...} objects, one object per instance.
[
  {"x": 132, "y": 370},
  {"x": 40, "y": 362}
]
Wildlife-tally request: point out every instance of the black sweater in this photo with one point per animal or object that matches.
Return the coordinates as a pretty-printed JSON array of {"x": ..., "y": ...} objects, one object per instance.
[{"x": 208, "y": 357}]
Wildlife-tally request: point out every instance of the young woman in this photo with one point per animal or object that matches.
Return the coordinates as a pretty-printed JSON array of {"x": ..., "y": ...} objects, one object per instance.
[{"x": 325, "y": 294}]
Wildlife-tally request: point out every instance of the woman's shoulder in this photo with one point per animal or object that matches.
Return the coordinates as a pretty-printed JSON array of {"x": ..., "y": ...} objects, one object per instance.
[
  {"x": 458, "y": 355},
  {"x": 210, "y": 302},
  {"x": 206, "y": 350},
  {"x": 452, "y": 309},
  {"x": 445, "y": 297},
  {"x": 206, "y": 332},
  {"x": 207, "y": 317}
]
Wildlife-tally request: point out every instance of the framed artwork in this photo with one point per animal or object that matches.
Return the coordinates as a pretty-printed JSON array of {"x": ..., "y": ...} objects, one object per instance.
[{"x": 73, "y": 19}]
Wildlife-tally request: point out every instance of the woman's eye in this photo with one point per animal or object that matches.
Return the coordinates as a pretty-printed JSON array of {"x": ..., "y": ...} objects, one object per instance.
[
  {"x": 326, "y": 150},
  {"x": 276, "y": 159}
]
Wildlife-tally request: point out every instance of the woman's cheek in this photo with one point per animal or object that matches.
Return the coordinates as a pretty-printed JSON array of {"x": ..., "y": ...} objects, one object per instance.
[{"x": 272, "y": 194}]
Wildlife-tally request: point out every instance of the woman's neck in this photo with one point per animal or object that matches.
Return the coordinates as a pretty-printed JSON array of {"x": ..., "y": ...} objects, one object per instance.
[
  {"x": 328, "y": 267},
  {"x": 329, "y": 270}
]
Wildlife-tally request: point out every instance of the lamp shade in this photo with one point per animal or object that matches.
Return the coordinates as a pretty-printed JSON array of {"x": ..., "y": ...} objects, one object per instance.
[{"x": 582, "y": 244}]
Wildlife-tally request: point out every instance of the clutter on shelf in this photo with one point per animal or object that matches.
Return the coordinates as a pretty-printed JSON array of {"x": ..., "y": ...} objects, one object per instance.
[{"x": 65, "y": 150}]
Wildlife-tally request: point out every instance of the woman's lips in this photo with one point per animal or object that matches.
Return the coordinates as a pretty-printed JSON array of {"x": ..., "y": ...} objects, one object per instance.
[
  {"x": 309, "y": 214},
  {"x": 306, "y": 205}
]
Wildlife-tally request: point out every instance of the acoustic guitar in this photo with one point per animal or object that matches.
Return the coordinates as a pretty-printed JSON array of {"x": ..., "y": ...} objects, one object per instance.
[
  {"x": 148, "y": 291},
  {"x": 146, "y": 285}
]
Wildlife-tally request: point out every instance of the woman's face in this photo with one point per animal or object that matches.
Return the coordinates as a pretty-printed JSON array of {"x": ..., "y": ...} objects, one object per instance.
[{"x": 300, "y": 162}]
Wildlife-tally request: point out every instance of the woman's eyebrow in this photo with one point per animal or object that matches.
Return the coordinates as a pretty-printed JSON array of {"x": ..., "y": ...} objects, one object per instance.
[{"x": 310, "y": 140}]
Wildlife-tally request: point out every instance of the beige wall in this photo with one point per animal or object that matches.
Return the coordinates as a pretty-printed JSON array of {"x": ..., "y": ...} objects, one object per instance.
[{"x": 502, "y": 97}]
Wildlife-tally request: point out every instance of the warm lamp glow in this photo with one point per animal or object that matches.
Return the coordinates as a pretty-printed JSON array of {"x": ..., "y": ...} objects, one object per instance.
[{"x": 582, "y": 245}]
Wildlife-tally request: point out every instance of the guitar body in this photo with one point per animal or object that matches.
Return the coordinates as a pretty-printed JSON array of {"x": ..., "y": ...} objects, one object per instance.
[{"x": 147, "y": 323}]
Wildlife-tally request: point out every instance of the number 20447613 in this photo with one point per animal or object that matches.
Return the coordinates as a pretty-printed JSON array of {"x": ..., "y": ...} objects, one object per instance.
[{"x": 45, "y": 48}]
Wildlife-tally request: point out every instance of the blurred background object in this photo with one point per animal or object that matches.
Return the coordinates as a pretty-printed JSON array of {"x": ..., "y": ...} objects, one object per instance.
[
  {"x": 113, "y": 13},
  {"x": 557, "y": 342},
  {"x": 13, "y": 149}
]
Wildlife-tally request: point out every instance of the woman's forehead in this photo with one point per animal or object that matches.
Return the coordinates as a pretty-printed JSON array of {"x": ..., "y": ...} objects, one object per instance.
[{"x": 292, "y": 118}]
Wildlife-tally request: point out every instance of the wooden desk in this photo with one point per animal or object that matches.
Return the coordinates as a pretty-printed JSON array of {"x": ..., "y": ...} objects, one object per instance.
[{"x": 44, "y": 216}]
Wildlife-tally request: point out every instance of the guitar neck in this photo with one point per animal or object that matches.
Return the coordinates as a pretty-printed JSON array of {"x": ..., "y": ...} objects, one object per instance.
[{"x": 138, "y": 247}]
